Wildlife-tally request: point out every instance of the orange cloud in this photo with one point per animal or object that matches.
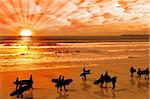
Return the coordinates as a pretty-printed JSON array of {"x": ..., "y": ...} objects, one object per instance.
[{"x": 75, "y": 16}]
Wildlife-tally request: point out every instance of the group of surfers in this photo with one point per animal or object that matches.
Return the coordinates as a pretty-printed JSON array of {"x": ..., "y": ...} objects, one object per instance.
[
  {"x": 139, "y": 72},
  {"x": 104, "y": 78}
]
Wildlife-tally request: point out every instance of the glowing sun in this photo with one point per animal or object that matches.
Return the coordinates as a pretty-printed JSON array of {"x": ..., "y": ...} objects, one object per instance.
[{"x": 26, "y": 32}]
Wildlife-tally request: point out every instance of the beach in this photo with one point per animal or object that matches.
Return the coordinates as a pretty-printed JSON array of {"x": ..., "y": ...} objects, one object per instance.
[
  {"x": 45, "y": 89},
  {"x": 74, "y": 49},
  {"x": 46, "y": 59}
]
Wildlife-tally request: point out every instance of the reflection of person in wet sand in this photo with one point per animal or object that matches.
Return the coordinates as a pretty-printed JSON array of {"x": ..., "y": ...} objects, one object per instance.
[
  {"x": 62, "y": 95},
  {"x": 142, "y": 84}
]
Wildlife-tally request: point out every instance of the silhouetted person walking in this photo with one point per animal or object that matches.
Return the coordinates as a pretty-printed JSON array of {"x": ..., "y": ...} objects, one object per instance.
[
  {"x": 84, "y": 73},
  {"x": 60, "y": 83},
  {"x": 59, "y": 78},
  {"x": 106, "y": 75},
  {"x": 132, "y": 70},
  {"x": 114, "y": 80},
  {"x": 84, "y": 69},
  {"x": 106, "y": 78},
  {"x": 63, "y": 83},
  {"x": 147, "y": 73},
  {"x": 17, "y": 83},
  {"x": 31, "y": 82},
  {"x": 139, "y": 73},
  {"x": 102, "y": 80}
]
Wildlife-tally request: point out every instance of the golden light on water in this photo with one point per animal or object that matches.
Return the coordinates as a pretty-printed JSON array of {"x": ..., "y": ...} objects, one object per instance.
[{"x": 26, "y": 32}]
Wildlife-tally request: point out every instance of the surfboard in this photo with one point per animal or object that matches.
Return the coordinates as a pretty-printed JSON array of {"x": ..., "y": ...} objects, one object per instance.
[
  {"x": 55, "y": 80},
  {"x": 19, "y": 91},
  {"x": 66, "y": 82},
  {"x": 86, "y": 72},
  {"x": 22, "y": 82},
  {"x": 97, "y": 82}
]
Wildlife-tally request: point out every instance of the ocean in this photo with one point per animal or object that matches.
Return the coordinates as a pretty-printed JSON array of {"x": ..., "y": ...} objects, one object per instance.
[{"x": 33, "y": 53}]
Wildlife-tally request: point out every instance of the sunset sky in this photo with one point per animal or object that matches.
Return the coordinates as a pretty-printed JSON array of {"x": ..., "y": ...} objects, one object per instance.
[{"x": 75, "y": 17}]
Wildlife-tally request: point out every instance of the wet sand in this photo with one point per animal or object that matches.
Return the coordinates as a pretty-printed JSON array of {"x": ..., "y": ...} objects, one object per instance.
[{"x": 45, "y": 89}]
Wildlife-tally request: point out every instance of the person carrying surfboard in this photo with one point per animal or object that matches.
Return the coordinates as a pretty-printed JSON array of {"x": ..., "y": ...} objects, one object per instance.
[
  {"x": 63, "y": 83},
  {"x": 139, "y": 73},
  {"x": 59, "y": 85},
  {"x": 84, "y": 73},
  {"x": 106, "y": 77},
  {"x": 132, "y": 70},
  {"x": 102, "y": 80}
]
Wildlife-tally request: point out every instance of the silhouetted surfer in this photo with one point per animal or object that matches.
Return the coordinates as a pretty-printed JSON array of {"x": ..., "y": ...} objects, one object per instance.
[
  {"x": 63, "y": 83},
  {"x": 139, "y": 73},
  {"x": 101, "y": 79},
  {"x": 114, "y": 80},
  {"x": 147, "y": 73},
  {"x": 31, "y": 82},
  {"x": 23, "y": 85},
  {"x": 60, "y": 83},
  {"x": 132, "y": 70},
  {"x": 17, "y": 84},
  {"x": 106, "y": 78},
  {"x": 84, "y": 73}
]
